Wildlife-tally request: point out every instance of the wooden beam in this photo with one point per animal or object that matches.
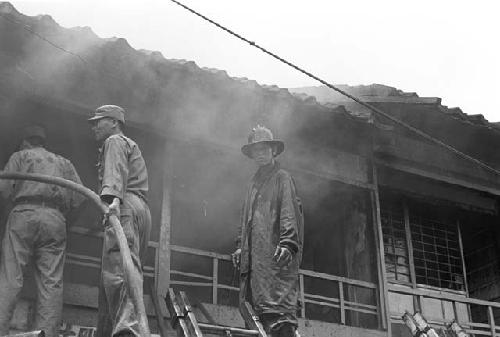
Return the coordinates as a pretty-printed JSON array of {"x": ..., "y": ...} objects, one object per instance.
[
  {"x": 163, "y": 252},
  {"x": 409, "y": 244},
  {"x": 462, "y": 257},
  {"x": 438, "y": 176},
  {"x": 442, "y": 295},
  {"x": 379, "y": 243}
]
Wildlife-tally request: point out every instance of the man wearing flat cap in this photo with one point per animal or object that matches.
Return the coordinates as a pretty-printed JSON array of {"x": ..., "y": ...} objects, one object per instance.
[
  {"x": 36, "y": 229},
  {"x": 123, "y": 178},
  {"x": 269, "y": 246}
]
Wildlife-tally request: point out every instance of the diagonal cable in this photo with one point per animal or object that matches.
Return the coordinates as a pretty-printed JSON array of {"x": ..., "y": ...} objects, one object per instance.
[
  {"x": 342, "y": 92},
  {"x": 327, "y": 84}
]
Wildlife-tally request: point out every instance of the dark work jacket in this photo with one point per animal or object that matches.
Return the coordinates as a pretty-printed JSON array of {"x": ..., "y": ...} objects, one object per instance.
[{"x": 272, "y": 216}]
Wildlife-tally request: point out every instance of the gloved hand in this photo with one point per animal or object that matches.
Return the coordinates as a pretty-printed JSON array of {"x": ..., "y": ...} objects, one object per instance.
[
  {"x": 236, "y": 257},
  {"x": 282, "y": 256},
  {"x": 114, "y": 208}
]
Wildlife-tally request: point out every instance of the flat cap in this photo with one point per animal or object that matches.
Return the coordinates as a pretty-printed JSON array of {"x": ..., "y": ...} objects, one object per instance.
[{"x": 110, "y": 111}]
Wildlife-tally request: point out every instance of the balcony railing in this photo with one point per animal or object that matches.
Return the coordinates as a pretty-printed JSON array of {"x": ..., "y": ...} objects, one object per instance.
[
  {"x": 337, "y": 301},
  {"x": 479, "y": 315}
]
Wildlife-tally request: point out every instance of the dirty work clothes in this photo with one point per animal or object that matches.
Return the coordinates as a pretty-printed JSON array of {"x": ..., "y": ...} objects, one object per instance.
[
  {"x": 116, "y": 309},
  {"x": 122, "y": 174},
  {"x": 272, "y": 216},
  {"x": 281, "y": 324},
  {"x": 39, "y": 160},
  {"x": 121, "y": 168},
  {"x": 38, "y": 233},
  {"x": 36, "y": 230}
]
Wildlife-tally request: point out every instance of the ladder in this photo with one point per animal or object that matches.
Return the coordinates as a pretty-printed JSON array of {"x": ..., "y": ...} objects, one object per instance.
[{"x": 184, "y": 321}]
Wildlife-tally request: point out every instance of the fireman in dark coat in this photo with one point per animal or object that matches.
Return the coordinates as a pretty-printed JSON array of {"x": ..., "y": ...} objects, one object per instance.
[{"x": 269, "y": 247}]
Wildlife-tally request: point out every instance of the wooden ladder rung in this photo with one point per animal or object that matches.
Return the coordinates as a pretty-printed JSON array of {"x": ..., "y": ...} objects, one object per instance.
[
  {"x": 234, "y": 331},
  {"x": 36, "y": 333}
]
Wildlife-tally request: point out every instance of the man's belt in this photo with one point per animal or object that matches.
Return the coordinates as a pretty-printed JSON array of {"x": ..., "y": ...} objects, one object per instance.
[{"x": 39, "y": 202}]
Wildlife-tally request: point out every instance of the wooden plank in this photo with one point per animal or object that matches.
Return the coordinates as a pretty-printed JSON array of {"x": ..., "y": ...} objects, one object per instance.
[
  {"x": 361, "y": 310},
  {"x": 324, "y": 304},
  {"x": 416, "y": 185},
  {"x": 215, "y": 279},
  {"x": 379, "y": 243},
  {"x": 224, "y": 286},
  {"x": 199, "y": 252},
  {"x": 442, "y": 296},
  {"x": 163, "y": 254},
  {"x": 192, "y": 275},
  {"x": 455, "y": 312},
  {"x": 189, "y": 283},
  {"x": 409, "y": 245},
  {"x": 302, "y": 292},
  {"x": 420, "y": 303},
  {"x": 226, "y": 330},
  {"x": 491, "y": 321},
  {"x": 342, "y": 304},
  {"x": 329, "y": 277},
  {"x": 373, "y": 308},
  {"x": 321, "y": 298},
  {"x": 461, "y": 247},
  {"x": 439, "y": 176}
]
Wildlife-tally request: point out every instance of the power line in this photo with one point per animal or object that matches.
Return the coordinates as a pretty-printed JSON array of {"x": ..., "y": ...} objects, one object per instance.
[
  {"x": 28, "y": 29},
  {"x": 329, "y": 85},
  {"x": 74, "y": 54},
  {"x": 342, "y": 92}
]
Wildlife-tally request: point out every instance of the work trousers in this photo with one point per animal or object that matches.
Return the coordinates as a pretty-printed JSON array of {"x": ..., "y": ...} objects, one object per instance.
[
  {"x": 39, "y": 233},
  {"x": 117, "y": 315},
  {"x": 276, "y": 324}
]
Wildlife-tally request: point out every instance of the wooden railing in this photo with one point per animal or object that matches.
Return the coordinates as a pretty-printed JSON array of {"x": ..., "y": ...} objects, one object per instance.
[
  {"x": 339, "y": 302},
  {"x": 478, "y": 328}
]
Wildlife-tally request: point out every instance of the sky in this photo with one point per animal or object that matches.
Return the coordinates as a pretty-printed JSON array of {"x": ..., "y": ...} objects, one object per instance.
[{"x": 439, "y": 48}]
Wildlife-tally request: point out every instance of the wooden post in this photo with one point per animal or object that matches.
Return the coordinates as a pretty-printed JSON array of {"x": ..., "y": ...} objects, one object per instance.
[
  {"x": 491, "y": 321},
  {"x": 163, "y": 253},
  {"x": 302, "y": 296},
  {"x": 215, "y": 279},
  {"x": 409, "y": 245},
  {"x": 341, "y": 302},
  {"x": 462, "y": 256},
  {"x": 379, "y": 241}
]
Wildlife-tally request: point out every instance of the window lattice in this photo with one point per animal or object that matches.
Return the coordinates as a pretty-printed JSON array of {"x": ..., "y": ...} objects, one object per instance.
[
  {"x": 395, "y": 247},
  {"x": 436, "y": 253}
]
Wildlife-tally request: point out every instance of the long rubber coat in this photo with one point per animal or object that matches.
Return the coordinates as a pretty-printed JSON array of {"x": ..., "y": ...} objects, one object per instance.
[{"x": 272, "y": 216}]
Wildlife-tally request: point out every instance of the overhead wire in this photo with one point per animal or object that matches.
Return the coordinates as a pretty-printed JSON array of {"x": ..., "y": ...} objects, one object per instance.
[
  {"x": 28, "y": 29},
  {"x": 294, "y": 66},
  {"x": 56, "y": 46},
  {"x": 344, "y": 93}
]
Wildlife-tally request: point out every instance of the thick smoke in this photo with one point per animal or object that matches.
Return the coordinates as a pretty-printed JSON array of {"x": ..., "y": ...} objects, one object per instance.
[{"x": 205, "y": 116}]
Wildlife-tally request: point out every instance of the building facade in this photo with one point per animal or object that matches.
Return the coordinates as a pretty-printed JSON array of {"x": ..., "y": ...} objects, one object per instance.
[{"x": 392, "y": 222}]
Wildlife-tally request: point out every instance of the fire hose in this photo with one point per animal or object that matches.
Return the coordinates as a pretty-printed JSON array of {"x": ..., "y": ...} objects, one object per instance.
[{"x": 133, "y": 281}]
